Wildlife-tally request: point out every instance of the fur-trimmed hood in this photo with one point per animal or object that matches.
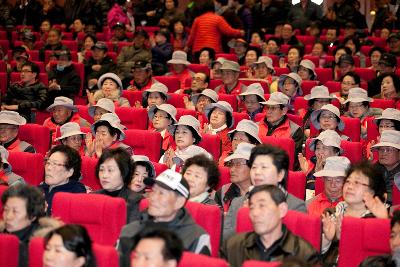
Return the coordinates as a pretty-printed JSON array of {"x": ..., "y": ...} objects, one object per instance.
[{"x": 46, "y": 224}]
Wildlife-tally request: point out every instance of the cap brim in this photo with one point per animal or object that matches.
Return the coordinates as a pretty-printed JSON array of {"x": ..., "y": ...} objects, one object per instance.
[
  {"x": 385, "y": 144},
  {"x": 330, "y": 173},
  {"x": 71, "y": 107}
]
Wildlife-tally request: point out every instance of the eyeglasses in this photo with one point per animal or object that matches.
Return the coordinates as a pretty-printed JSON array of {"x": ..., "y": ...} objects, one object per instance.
[
  {"x": 328, "y": 117},
  {"x": 7, "y": 127},
  {"x": 49, "y": 163},
  {"x": 235, "y": 163},
  {"x": 334, "y": 180},
  {"x": 355, "y": 106},
  {"x": 159, "y": 117},
  {"x": 387, "y": 149},
  {"x": 355, "y": 183},
  {"x": 272, "y": 108},
  {"x": 286, "y": 82}
]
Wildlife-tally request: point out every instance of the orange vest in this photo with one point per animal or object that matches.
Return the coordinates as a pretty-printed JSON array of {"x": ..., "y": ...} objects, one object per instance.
[
  {"x": 17, "y": 146},
  {"x": 282, "y": 130}
]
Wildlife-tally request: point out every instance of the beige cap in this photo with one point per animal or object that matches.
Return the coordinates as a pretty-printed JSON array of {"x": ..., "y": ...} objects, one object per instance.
[
  {"x": 357, "y": 95},
  {"x": 187, "y": 120},
  {"x": 308, "y": 64},
  {"x": 193, "y": 150},
  {"x": 389, "y": 138},
  {"x": 70, "y": 129},
  {"x": 295, "y": 77},
  {"x": 335, "y": 166},
  {"x": 254, "y": 89},
  {"x": 179, "y": 57},
  {"x": 328, "y": 138},
  {"x": 206, "y": 92},
  {"x": 11, "y": 117},
  {"x": 114, "y": 122},
  {"x": 243, "y": 151},
  {"x": 230, "y": 65},
  {"x": 63, "y": 101},
  {"x": 247, "y": 126},
  {"x": 277, "y": 98},
  {"x": 145, "y": 160},
  {"x": 170, "y": 109},
  {"x": 219, "y": 60},
  {"x": 329, "y": 107},
  {"x": 223, "y": 105},
  {"x": 267, "y": 61},
  {"x": 112, "y": 76},
  {"x": 389, "y": 114},
  {"x": 319, "y": 92},
  {"x": 156, "y": 87},
  {"x": 104, "y": 103}
]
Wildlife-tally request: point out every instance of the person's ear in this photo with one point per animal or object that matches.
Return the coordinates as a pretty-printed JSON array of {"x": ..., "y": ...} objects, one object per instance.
[
  {"x": 180, "y": 202},
  {"x": 285, "y": 110},
  {"x": 171, "y": 263},
  {"x": 80, "y": 261},
  {"x": 281, "y": 175},
  {"x": 283, "y": 209}
]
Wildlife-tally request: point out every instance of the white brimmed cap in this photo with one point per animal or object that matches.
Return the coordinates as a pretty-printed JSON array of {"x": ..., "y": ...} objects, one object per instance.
[
  {"x": 254, "y": 89},
  {"x": 11, "y": 117},
  {"x": 191, "y": 151},
  {"x": 70, "y": 129},
  {"x": 179, "y": 57},
  {"x": 335, "y": 166},
  {"x": 293, "y": 76},
  {"x": 243, "y": 151},
  {"x": 104, "y": 103},
  {"x": 111, "y": 76},
  {"x": 328, "y": 138},
  {"x": 206, "y": 92},
  {"x": 145, "y": 160},
  {"x": 114, "y": 122},
  {"x": 319, "y": 92},
  {"x": 277, "y": 98},
  {"x": 230, "y": 65},
  {"x": 171, "y": 180},
  {"x": 308, "y": 64},
  {"x": 389, "y": 114},
  {"x": 189, "y": 121},
  {"x": 329, "y": 107},
  {"x": 63, "y": 101},
  {"x": 247, "y": 126},
  {"x": 223, "y": 105},
  {"x": 357, "y": 95},
  {"x": 265, "y": 60},
  {"x": 156, "y": 87},
  {"x": 389, "y": 138},
  {"x": 170, "y": 109}
]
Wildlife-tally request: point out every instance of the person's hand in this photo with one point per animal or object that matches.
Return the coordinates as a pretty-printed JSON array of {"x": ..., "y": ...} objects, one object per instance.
[
  {"x": 89, "y": 144},
  {"x": 138, "y": 104},
  {"x": 282, "y": 63},
  {"x": 96, "y": 67},
  {"x": 249, "y": 73},
  {"x": 152, "y": 41},
  {"x": 98, "y": 147},
  {"x": 206, "y": 129},
  {"x": 151, "y": 13},
  {"x": 375, "y": 205},
  {"x": 242, "y": 32},
  {"x": 92, "y": 83},
  {"x": 53, "y": 85},
  {"x": 90, "y": 97},
  {"x": 188, "y": 103},
  {"x": 328, "y": 226},
  {"x": 303, "y": 162},
  {"x": 168, "y": 157}
]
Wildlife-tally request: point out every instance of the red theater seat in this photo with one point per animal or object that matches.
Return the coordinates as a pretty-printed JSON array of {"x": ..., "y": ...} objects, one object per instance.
[
  {"x": 9, "y": 250},
  {"x": 171, "y": 82},
  {"x": 103, "y": 228},
  {"x": 351, "y": 150},
  {"x": 372, "y": 129},
  {"x": 37, "y": 135},
  {"x": 264, "y": 84},
  {"x": 253, "y": 263},
  {"x": 237, "y": 117},
  {"x": 225, "y": 177},
  {"x": 133, "y": 118},
  {"x": 144, "y": 142},
  {"x": 333, "y": 86},
  {"x": 286, "y": 144},
  {"x": 212, "y": 144},
  {"x": 176, "y": 100},
  {"x": 3, "y": 83},
  {"x": 182, "y": 111},
  {"x": 324, "y": 75},
  {"x": 28, "y": 165},
  {"x": 132, "y": 96},
  {"x": 383, "y": 103},
  {"x": 231, "y": 57},
  {"x": 83, "y": 112},
  {"x": 361, "y": 238},
  {"x": 296, "y": 184},
  {"x": 199, "y": 68},
  {"x": 159, "y": 167},
  {"x": 231, "y": 99},
  {"x": 198, "y": 260},
  {"x": 306, "y": 86},
  {"x": 365, "y": 74},
  {"x": 88, "y": 171},
  {"x": 352, "y": 128},
  {"x": 2, "y": 189}
]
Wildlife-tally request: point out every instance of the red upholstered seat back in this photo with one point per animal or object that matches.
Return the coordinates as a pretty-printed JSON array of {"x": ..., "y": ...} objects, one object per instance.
[
  {"x": 212, "y": 144},
  {"x": 94, "y": 212},
  {"x": 352, "y": 128},
  {"x": 260, "y": 264},
  {"x": 361, "y": 238},
  {"x": 88, "y": 171},
  {"x": 28, "y": 165},
  {"x": 145, "y": 143},
  {"x": 133, "y": 118},
  {"x": 36, "y": 135},
  {"x": 224, "y": 178},
  {"x": 198, "y": 260},
  {"x": 9, "y": 250},
  {"x": 171, "y": 82},
  {"x": 286, "y": 144},
  {"x": 2, "y": 189},
  {"x": 296, "y": 184}
]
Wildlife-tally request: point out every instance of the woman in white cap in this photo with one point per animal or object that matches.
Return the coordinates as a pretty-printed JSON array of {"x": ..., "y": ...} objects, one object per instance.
[
  {"x": 333, "y": 174},
  {"x": 318, "y": 97},
  {"x": 161, "y": 117},
  {"x": 358, "y": 106},
  {"x": 328, "y": 118},
  {"x": 110, "y": 86},
  {"x": 103, "y": 106},
  {"x": 186, "y": 133},
  {"x": 252, "y": 99},
  {"x": 10, "y": 121},
  {"x": 220, "y": 117},
  {"x": 7, "y": 176},
  {"x": 202, "y": 175},
  {"x": 200, "y": 101},
  {"x": 290, "y": 85},
  {"x": 179, "y": 67},
  {"x": 263, "y": 69},
  {"x": 246, "y": 131},
  {"x": 144, "y": 169},
  {"x": 109, "y": 134},
  {"x": 327, "y": 144},
  {"x": 72, "y": 136},
  {"x": 157, "y": 94},
  {"x": 306, "y": 70}
]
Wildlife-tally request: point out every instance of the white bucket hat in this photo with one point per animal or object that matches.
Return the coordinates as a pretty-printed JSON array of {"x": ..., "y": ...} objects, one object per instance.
[
  {"x": 206, "y": 92},
  {"x": 179, "y": 57},
  {"x": 63, "y": 101},
  {"x": 145, "y": 160},
  {"x": 223, "y": 105},
  {"x": 156, "y": 87},
  {"x": 114, "y": 122},
  {"x": 189, "y": 121},
  {"x": 319, "y": 92},
  {"x": 329, "y": 107},
  {"x": 191, "y": 151},
  {"x": 230, "y": 65},
  {"x": 293, "y": 76},
  {"x": 11, "y": 117},
  {"x": 4, "y": 159},
  {"x": 104, "y": 103},
  {"x": 308, "y": 64},
  {"x": 170, "y": 109},
  {"x": 277, "y": 98},
  {"x": 254, "y": 89},
  {"x": 389, "y": 138},
  {"x": 328, "y": 138},
  {"x": 335, "y": 166},
  {"x": 111, "y": 76},
  {"x": 265, "y": 60},
  {"x": 247, "y": 126},
  {"x": 243, "y": 151},
  {"x": 389, "y": 114},
  {"x": 219, "y": 60},
  {"x": 70, "y": 129},
  {"x": 357, "y": 95}
]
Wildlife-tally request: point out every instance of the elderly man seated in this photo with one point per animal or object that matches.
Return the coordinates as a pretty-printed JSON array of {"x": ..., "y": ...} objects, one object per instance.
[
  {"x": 9, "y": 126},
  {"x": 230, "y": 71},
  {"x": 170, "y": 191},
  {"x": 270, "y": 240},
  {"x": 62, "y": 111}
]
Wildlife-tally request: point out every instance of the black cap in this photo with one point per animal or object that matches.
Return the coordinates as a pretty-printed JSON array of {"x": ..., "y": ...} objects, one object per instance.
[
  {"x": 143, "y": 33},
  {"x": 346, "y": 59},
  {"x": 100, "y": 45},
  {"x": 119, "y": 25},
  {"x": 388, "y": 60},
  {"x": 141, "y": 64},
  {"x": 28, "y": 35},
  {"x": 60, "y": 53},
  {"x": 395, "y": 35}
]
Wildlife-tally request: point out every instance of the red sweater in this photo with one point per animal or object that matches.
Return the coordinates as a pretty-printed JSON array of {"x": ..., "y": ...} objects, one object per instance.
[{"x": 207, "y": 31}]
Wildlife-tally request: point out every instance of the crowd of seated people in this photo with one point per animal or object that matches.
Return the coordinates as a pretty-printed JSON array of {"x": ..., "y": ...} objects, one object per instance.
[{"x": 263, "y": 108}]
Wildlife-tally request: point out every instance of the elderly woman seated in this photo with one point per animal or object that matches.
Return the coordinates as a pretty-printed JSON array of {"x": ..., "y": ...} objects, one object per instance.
[
  {"x": 389, "y": 86},
  {"x": 200, "y": 101},
  {"x": 162, "y": 116},
  {"x": 144, "y": 168},
  {"x": 306, "y": 70},
  {"x": 156, "y": 95},
  {"x": 62, "y": 111},
  {"x": 7, "y": 176},
  {"x": 109, "y": 133},
  {"x": 290, "y": 85},
  {"x": 72, "y": 136},
  {"x": 103, "y": 106},
  {"x": 110, "y": 86},
  {"x": 9, "y": 126},
  {"x": 328, "y": 118},
  {"x": 252, "y": 99}
]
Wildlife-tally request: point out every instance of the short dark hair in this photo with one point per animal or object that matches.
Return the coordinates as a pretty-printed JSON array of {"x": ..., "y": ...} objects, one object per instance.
[
  {"x": 396, "y": 123},
  {"x": 211, "y": 53},
  {"x": 173, "y": 246},
  {"x": 260, "y": 33},
  {"x": 280, "y": 158},
  {"x": 34, "y": 67},
  {"x": 91, "y": 36},
  {"x": 375, "y": 177},
  {"x": 255, "y": 49},
  {"x": 376, "y": 48},
  {"x": 276, "y": 194},
  {"x": 299, "y": 48},
  {"x": 208, "y": 165},
  {"x": 324, "y": 46},
  {"x": 345, "y": 48},
  {"x": 75, "y": 239},
  {"x": 355, "y": 76},
  {"x": 113, "y": 131},
  {"x": 395, "y": 78},
  {"x": 395, "y": 218},
  {"x": 355, "y": 40},
  {"x": 311, "y": 102},
  {"x": 123, "y": 160},
  {"x": 73, "y": 160},
  {"x": 229, "y": 116},
  {"x": 35, "y": 202},
  {"x": 275, "y": 39}
]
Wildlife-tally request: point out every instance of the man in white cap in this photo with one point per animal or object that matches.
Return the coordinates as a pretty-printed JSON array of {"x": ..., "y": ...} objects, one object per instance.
[
  {"x": 230, "y": 71},
  {"x": 179, "y": 67},
  {"x": 167, "y": 199},
  {"x": 7, "y": 176},
  {"x": 389, "y": 158},
  {"x": 10, "y": 121}
]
